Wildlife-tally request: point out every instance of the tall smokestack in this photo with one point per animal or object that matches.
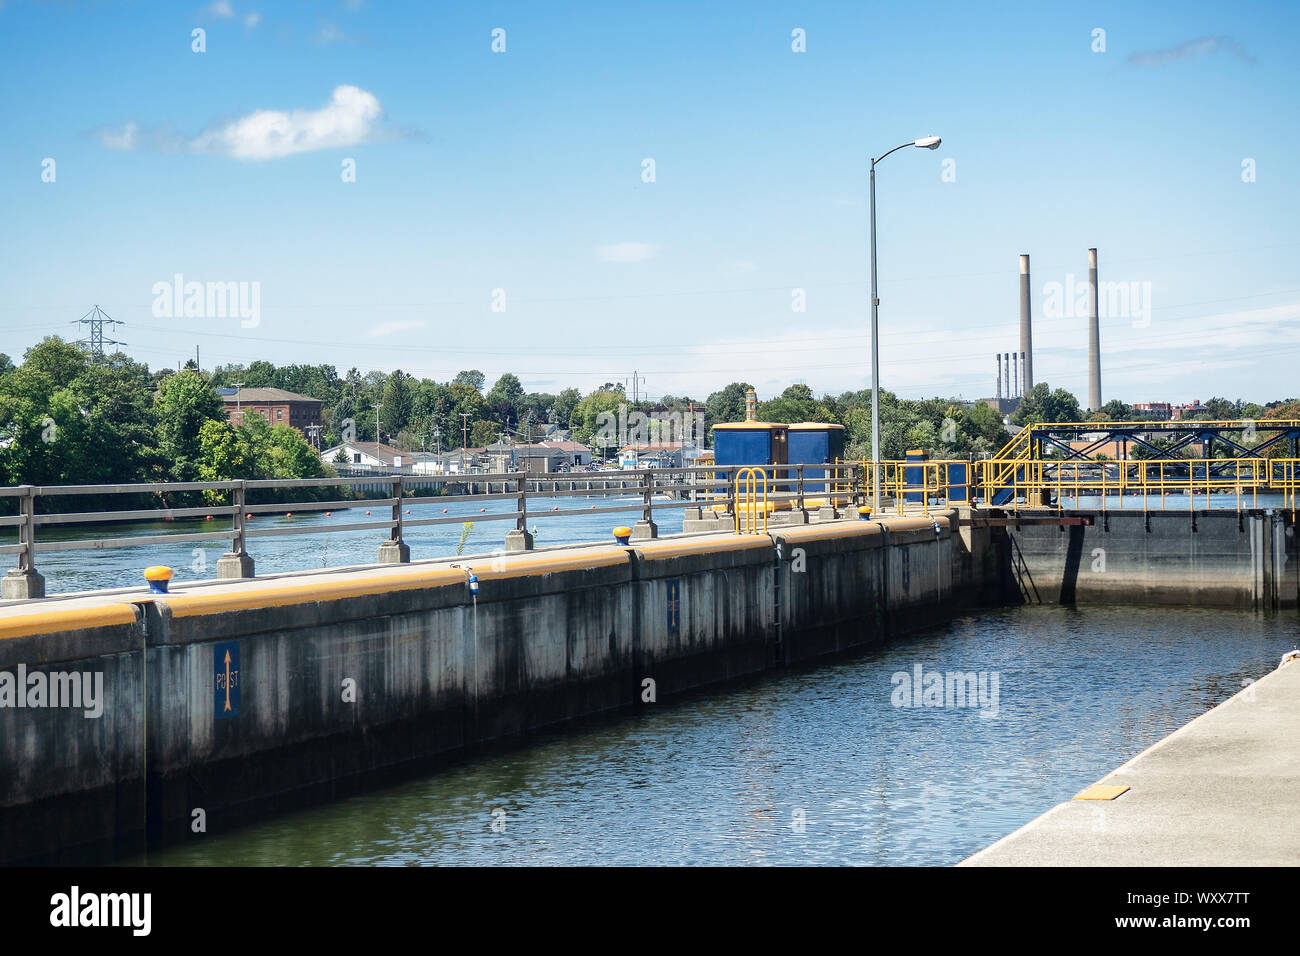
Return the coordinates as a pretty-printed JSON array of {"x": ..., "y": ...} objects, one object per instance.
[
  {"x": 998, "y": 359},
  {"x": 751, "y": 406},
  {"x": 1024, "y": 374},
  {"x": 1094, "y": 337},
  {"x": 1015, "y": 375},
  {"x": 1026, "y": 333}
]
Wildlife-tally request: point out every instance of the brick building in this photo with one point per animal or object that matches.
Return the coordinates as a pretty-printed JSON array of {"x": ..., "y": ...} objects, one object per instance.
[{"x": 274, "y": 404}]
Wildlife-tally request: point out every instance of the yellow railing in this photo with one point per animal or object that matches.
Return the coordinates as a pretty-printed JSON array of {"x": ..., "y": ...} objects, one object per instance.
[
  {"x": 748, "y": 483},
  {"x": 1040, "y": 481}
]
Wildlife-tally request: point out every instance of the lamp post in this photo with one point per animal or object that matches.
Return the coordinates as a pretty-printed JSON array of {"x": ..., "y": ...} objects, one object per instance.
[{"x": 926, "y": 142}]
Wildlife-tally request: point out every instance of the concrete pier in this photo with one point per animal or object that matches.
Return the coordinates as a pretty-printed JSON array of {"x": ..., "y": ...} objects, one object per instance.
[{"x": 1224, "y": 790}]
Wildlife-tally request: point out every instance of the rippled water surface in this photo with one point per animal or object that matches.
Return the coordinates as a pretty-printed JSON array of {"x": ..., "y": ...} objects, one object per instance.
[{"x": 725, "y": 777}]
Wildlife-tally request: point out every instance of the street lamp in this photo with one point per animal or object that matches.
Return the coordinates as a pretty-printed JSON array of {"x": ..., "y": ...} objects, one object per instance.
[{"x": 926, "y": 142}]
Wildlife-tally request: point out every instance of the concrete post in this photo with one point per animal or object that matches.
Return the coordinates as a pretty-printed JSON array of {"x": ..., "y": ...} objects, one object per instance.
[
  {"x": 646, "y": 527},
  {"x": 236, "y": 563},
  {"x": 1094, "y": 336},
  {"x": 520, "y": 539},
  {"x": 395, "y": 550},
  {"x": 24, "y": 581}
]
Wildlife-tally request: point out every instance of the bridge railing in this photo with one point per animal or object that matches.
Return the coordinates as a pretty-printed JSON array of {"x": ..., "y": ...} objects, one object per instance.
[
  {"x": 1159, "y": 484},
  {"x": 709, "y": 488}
]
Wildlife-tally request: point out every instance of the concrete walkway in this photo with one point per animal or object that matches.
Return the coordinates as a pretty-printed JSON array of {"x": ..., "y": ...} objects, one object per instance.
[{"x": 1223, "y": 790}]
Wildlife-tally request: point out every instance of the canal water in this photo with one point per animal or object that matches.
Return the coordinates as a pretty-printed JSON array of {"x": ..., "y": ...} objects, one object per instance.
[
  {"x": 811, "y": 766},
  {"x": 118, "y": 567}
]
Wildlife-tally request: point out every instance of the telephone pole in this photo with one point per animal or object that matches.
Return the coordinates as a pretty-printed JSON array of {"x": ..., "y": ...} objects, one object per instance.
[{"x": 464, "y": 441}]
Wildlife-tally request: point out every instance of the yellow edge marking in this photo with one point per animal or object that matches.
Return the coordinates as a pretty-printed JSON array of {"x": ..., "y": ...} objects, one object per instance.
[
  {"x": 673, "y": 549},
  {"x": 51, "y": 622},
  {"x": 1099, "y": 791},
  {"x": 194, "y": 604},
  {"x": 859, "y": 530},
  {"x": 546, "y": 564}
]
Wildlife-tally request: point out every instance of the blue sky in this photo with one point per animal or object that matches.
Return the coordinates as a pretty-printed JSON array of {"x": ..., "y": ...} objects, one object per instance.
[{"x": 522, "y": 171}]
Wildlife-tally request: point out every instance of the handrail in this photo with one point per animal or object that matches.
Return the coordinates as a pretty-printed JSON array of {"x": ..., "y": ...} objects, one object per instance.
[{"x": 1026, "y": 480}]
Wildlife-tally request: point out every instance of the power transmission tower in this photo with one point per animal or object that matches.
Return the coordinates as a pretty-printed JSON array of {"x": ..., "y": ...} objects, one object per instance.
[{"x": 96, "y": 318}]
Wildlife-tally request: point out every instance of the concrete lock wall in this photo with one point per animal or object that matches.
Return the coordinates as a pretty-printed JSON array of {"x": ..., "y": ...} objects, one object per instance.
[
  {"x": 338, "y": 678},
  {"x": 1247, "y": 560}
]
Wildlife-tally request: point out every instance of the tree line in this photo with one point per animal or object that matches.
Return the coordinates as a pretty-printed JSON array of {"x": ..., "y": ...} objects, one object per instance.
[{"x": 68, "y": 419}]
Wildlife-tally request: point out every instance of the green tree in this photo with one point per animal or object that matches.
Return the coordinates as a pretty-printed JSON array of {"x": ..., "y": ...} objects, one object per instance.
[
  {"x": 471, "y": 377},
  {"x": 1041, "y": 404},
  {"x": 185, "y": 401},
  {"x": 727, "y": 404},
  {"x": 398, "y": 402}
]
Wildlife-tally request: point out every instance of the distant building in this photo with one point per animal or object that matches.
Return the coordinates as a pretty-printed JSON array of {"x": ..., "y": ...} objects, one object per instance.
[
  {"x": 1160, "y": 411},
  {"x": 368, "y": 453},
  {"x": 274, "y": 404},
  {"x": 659, "y": 455}
]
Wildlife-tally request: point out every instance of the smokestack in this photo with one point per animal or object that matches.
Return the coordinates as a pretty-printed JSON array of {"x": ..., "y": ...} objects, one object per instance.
[
  {"x": 1024, "y": 374},
  {"x": 1015, "y": 375},
  {"x": 998, "y": 359},
  {"x": 751, "y": 406},
  {"x": 1094, "y": 337},
  {"x": 1026, "y": 334}
]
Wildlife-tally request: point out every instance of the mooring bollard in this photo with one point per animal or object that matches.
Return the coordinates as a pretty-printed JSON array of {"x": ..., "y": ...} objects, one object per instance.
[
  {"x": 864, "y": 512},
  {"x": 158, "y": 577},
  {"x": 622, "y": 534}
]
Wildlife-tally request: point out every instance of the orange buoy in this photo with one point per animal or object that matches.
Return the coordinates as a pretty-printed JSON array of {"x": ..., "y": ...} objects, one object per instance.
[
  {"x": 444, "y": 510},
  {"x": 248, "y": 517},
  {"x": 556, "y": 508},
  {"x": 484, "y": 510},
  {"x": 328, "y": 513},
  {"x": 367, "y": 513},
  {"x": 288, "y": 514},
  {"x": 207, "y": 517},
  {"x": 408, "y": 511}
]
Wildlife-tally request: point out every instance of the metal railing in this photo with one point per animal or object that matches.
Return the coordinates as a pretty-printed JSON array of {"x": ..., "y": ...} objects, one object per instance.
[
  {"x": 906, "y": 486},
  {"x": 1160, "y": 484},
  {"x": 710, "y": 488}
]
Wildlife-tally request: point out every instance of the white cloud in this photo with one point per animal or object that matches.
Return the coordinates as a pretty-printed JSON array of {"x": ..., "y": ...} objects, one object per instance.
[
  {"x": 627, "y": 252},
  {"x": 252, "y": 20},
  {"x": 220, "y": 9},
  {"x": 391, "y": 328},
  {"x": 126, "y": 138},
  {"x": 351, "y": 116}
]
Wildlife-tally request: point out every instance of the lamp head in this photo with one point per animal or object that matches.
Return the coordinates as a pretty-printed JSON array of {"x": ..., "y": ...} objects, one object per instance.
[{"x": 928, "y": 142}]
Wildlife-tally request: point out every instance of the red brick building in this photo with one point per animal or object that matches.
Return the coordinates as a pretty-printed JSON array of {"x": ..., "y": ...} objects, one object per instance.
[{"x": 274, "y": 404}]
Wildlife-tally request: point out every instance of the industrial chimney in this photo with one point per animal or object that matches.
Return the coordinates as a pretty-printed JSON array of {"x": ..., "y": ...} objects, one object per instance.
[
  {"x": 1015, "y": 375},
  {"x": 751, "y": 406},
  {"x": 998, "y": 358},
  {"x": 1094, "y": 336},
  {"x": 1026, "y": 334}
]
